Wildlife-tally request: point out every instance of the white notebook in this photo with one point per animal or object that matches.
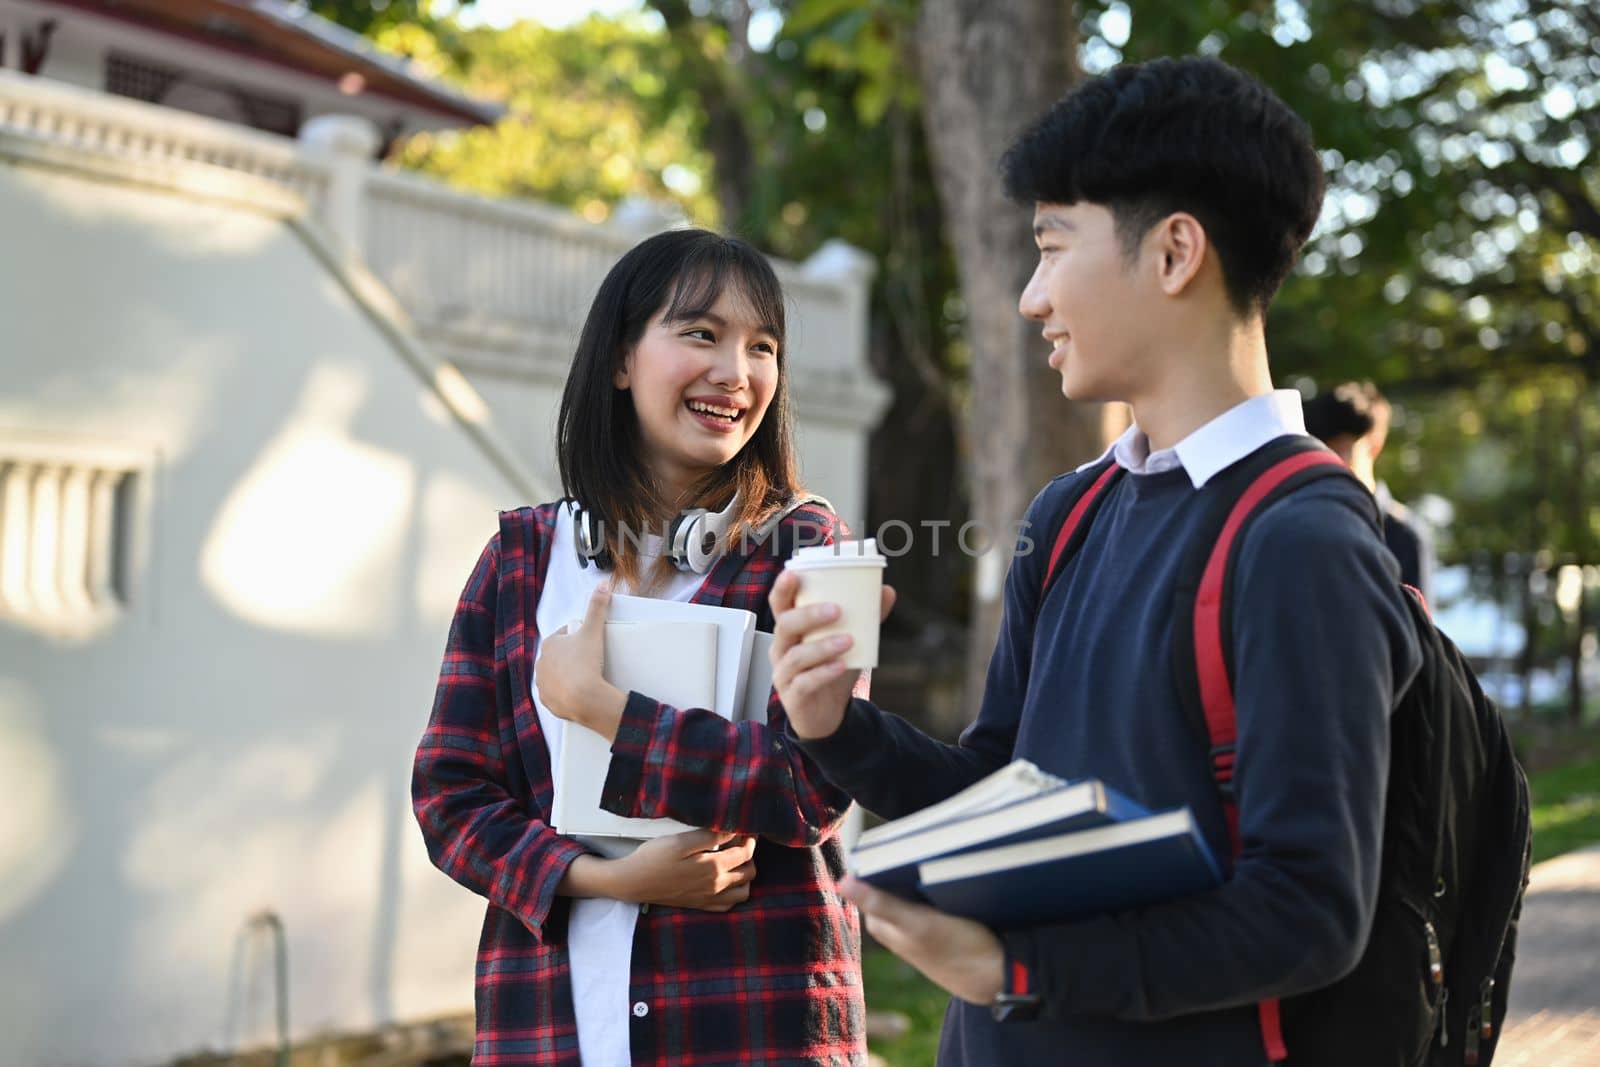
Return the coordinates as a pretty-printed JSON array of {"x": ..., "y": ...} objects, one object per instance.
[
  {"x": 674, "y": 662},
  {"x": 686, "y": 655},
  {"x": 736, "y": 630}
]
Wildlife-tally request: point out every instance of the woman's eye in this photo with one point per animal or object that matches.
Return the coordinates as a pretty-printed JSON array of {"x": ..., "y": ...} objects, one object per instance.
[
  {"x": 765, "y": 348},
  {"x": 700, "y": 334}
]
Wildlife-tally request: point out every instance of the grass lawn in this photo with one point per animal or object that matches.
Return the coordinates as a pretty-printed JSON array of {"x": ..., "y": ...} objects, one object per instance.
[
  {"x": 894, "y": 985},
  {"x": 1566, "y": 808},
  {"x": 1566, "y": 816}
]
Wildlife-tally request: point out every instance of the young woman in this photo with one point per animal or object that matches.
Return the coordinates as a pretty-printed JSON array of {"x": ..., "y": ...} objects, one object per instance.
[{"x": 722, "y": 945}]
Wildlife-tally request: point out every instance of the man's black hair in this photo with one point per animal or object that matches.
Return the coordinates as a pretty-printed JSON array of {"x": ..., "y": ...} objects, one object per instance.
[
  {"x": 1346, "y": 409},
  {"x": 1192, "y": 135}
]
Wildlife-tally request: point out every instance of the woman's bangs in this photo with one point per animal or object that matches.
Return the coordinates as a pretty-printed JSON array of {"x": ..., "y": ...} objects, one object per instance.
[{"x": 712, "y": 271}]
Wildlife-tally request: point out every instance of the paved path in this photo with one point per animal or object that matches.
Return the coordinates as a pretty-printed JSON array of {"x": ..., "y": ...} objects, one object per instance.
[{"x": 1554, "y": 1019}]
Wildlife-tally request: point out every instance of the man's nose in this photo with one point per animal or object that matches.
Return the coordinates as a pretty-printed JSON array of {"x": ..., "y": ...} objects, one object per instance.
[{"x": 1034, "y": 304}]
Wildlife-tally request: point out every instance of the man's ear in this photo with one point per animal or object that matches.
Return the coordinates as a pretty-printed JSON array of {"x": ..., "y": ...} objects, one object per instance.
[{"x": 1180, "y": 245}]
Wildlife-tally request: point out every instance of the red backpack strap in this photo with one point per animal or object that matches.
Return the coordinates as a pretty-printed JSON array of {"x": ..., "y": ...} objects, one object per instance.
[
  {"x": 1212, "y": 667},
  {"x": 1243, "y": 493},
  {"x": 1076, "y": 526}
]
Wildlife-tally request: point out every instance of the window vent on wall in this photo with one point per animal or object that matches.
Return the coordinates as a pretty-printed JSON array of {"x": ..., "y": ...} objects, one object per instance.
[
  {"x": 141, "y": 79},
  {"x": 66, "y": 525},
  {"x": 157, "y": 83}
]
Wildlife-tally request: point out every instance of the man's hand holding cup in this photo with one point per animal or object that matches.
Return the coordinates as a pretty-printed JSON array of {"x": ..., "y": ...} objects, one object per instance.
[{"x": 827, "y": 606}]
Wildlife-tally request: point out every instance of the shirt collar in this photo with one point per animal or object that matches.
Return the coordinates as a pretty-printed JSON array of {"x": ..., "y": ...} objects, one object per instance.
[{"x": 1218, "y": 444}]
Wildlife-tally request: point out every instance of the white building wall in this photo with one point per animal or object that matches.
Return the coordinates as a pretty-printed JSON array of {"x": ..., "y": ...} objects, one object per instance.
[{"x": 239, "y": 737}]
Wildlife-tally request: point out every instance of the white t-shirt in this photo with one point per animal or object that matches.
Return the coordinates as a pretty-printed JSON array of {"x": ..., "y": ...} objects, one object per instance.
[{"x": 599, "y": 932}]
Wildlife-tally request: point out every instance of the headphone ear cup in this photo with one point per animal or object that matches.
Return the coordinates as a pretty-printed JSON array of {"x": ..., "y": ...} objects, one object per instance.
[
  {"x": 701, "y": 545},
  {"x": 589, "y": 539},
  {"x": 684, "y": 540}
]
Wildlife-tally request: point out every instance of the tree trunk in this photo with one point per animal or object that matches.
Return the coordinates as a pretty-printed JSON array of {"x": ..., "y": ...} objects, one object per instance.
[
  {"x": 1580, "y": 533},
  {"x": 717, "y": 85},
  {"x": 986, "y": 70}
]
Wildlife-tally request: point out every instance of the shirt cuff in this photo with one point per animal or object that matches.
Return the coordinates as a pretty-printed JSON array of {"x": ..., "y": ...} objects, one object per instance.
[
  {"x": 1075, "y": 969},
  {"x": 622, "y": 793},
  {"x": 564, "y": 851},
  {"x": 1019, "y": 967}
]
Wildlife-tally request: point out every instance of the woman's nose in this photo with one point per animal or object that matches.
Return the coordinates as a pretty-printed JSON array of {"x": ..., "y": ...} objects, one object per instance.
[{"x": 730, "y": 367}]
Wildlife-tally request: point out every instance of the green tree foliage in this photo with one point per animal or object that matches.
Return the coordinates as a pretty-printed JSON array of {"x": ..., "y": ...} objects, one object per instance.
[
  {"x": 373, "y": 16},
  {"x": 597, "y": 113}
]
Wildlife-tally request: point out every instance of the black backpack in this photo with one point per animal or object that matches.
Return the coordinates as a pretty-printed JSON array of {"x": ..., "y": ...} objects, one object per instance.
[{"x": 1431, "y": 985}]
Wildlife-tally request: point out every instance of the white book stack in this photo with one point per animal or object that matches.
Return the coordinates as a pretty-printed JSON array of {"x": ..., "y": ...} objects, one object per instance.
[{"x": 685, "y": 655}]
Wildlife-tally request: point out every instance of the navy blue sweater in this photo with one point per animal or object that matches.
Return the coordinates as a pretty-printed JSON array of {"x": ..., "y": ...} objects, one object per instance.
[{"x": 1083, "y": 685}]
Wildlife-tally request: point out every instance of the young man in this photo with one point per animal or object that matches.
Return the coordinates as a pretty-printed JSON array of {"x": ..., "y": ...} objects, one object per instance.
[
  {"x": 1352, "y": 419},
  {"x": 1170, "y": 201}
]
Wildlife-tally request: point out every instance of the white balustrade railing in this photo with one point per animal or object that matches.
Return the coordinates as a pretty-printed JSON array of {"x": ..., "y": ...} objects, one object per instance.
[
  {"x": 475, "y": 265},
  {"x": 98, "y": 122},
  {"x": 464, "y": 261},
  {"x": 507, "y": 275}
]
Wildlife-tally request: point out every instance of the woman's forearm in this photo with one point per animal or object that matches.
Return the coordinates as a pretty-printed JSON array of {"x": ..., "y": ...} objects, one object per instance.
[{"x": 593, "y": 876}]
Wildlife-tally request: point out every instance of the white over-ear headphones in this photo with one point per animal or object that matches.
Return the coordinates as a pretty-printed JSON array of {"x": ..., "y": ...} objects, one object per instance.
[
  {"x": 696, "y": 538},
  {"x": 694, "y": 542}
]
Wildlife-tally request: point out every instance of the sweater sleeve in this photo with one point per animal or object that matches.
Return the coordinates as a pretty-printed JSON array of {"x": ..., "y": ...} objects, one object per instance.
[
  {"x": 475, "y": 830},
  {"x": 1323, "y": 647},
  {"x": 892, "y": 767}
]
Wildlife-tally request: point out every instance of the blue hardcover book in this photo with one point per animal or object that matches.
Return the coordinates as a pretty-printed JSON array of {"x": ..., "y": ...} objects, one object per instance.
[
  {"x": 892, "y": 863},
  {"x": 1107, "y": 869}
]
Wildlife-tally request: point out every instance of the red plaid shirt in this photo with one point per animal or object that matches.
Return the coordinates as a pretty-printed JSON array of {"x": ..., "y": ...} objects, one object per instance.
[{"x": 775, "y": 980}]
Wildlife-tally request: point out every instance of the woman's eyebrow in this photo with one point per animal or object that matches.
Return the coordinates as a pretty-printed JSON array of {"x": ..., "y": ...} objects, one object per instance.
[
  {"x": 722, "y": 324},
  {"x": 698, "y": 314}
]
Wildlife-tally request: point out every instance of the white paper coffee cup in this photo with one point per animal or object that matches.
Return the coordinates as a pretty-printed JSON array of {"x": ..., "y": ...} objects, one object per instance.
[{"x": 849, "y": 574}]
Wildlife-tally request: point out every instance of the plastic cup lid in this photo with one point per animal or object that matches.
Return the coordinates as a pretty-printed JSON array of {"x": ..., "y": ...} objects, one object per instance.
[{"x": 862, "y": 553}]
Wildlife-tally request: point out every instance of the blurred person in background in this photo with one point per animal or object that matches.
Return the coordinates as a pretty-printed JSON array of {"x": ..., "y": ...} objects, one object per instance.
[{"x": 1353, "y": 419}]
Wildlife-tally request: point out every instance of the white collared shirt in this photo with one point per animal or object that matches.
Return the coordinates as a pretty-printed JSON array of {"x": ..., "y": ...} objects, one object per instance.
[{"x": 1218, "y": 444}]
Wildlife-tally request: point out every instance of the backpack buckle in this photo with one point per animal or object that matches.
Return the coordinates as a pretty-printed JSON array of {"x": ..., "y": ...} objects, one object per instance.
[{"x": 1222, "y": 757}]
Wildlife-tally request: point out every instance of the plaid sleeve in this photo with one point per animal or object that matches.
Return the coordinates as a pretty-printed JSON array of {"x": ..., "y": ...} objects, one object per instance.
[
  {"x": 697, "y": 767},
  {"x": 748, "y": 777},
  {"x": 475, "y": 830}
]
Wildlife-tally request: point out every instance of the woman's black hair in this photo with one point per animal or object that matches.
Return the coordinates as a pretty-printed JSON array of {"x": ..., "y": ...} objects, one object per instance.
[{"x": 678, "y": 275}]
